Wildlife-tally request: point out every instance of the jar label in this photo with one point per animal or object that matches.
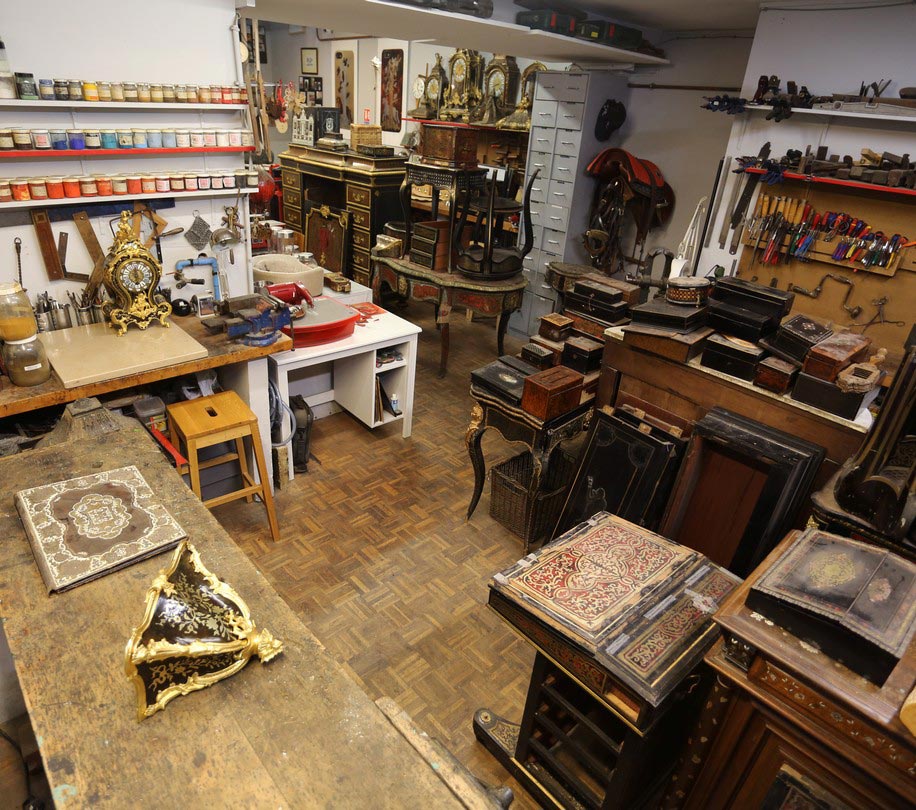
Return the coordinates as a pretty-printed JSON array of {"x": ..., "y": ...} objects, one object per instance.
[{"x": 33, "y": 367}]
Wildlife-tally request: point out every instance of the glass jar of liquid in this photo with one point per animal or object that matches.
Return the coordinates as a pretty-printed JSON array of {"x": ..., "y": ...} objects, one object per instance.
[
  {"x": 17, "y": 321},
  {"x": 26, "y": 360}
]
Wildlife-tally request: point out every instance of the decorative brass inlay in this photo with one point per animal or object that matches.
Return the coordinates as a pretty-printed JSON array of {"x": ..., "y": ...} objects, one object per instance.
[
  {"x": 830, "y": 569},
  {"x": 476, "y": 419},
  {"x": 861, "y": 733},
  {"x": 196, "y": 631}
]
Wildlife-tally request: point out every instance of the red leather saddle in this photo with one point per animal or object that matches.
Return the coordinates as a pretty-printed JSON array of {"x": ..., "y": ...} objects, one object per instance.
[{"x": 642, "y": 176}]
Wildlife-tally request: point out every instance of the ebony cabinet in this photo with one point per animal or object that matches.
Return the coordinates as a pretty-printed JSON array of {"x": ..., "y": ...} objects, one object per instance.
[{"x": 366, "y": 187}]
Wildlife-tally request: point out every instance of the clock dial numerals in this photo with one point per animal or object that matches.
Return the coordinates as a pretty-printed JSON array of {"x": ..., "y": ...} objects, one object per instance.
[
  {"x": 432, "y": 89},
  {"x": 497, "y": 84},
  {"x": 419, "y": 88},
  {"x": 136, "y": 276},
  {"x": 459, "y": 72}
]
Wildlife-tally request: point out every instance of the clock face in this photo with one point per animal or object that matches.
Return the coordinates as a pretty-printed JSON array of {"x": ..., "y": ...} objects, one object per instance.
[
  {"x": 459, "y": 70},
  {"x": 432, "y": 89},
  {"x": 496, "y": 85},
  {"x": 136, "y": 276},
  {"x": 329, "y": 124},
  {"x": 419, "y": 87}
]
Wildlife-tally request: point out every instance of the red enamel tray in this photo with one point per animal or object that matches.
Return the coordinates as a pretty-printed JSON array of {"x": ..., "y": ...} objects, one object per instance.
[{"x": 325, "y": 322}]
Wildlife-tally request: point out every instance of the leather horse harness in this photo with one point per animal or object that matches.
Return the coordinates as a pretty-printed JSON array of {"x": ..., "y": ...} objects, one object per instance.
[{"x": 627, "y": 186}]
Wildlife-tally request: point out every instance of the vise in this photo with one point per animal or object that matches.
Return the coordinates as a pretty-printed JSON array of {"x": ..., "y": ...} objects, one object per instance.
[{"x": 255, "y": 320}]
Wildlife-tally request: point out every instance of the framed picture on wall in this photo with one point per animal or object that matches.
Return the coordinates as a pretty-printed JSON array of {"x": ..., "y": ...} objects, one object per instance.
[
  {"x": 392, "y": 89},
  {"x": 309, "y": 60}
]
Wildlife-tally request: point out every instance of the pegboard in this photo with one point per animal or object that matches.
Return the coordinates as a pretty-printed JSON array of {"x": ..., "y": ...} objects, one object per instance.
[{"x": 883, "y": 212}]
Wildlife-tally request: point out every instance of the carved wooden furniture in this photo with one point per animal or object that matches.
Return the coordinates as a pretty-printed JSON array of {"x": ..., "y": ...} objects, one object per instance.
[
  {"x": 327, "y": 237},
  {"x": 454, "y": 180},
  {"x": 620, "y": 619},
  {"x": 739, "y": 489},
  {"x": 87, "y": 723},
  {"x": 486, "y": 259},
  {"x": 515, "y": 425},
  {"x": 364, "y": 186},
  {"x": 794, "y": 722},
  {"x": 874, "y": 494},
  {"x": 196, "y": 424},
  {"x": 497, "y": 299}
]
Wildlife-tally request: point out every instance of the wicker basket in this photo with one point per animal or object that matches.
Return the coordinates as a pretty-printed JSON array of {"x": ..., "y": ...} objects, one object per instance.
[{"x": 531, "y": 519}]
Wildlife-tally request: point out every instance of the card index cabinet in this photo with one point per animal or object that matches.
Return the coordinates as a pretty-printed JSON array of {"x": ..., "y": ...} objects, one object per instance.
[
  {"x": 561, "y": 144},
  {"x": 366, "y": 187}
]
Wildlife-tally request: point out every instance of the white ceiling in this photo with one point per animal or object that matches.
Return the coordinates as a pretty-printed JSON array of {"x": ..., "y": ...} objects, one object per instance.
[{"x": 679, "y": 15}]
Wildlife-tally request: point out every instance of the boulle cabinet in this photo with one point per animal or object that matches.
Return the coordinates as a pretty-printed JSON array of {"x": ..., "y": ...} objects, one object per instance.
[{"x": 366, "y": 187}]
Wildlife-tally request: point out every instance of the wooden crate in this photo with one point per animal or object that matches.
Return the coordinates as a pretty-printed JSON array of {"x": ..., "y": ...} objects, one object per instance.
[{"x": 365, "y": 135}]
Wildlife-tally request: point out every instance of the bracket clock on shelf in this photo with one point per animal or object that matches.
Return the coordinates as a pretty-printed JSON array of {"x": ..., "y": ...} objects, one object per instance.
[
  {"x": 428, "y": 90},
  {"x": 130, "y": 276},
  {"x": 464, "y": 89},
  {"x": 500, "y": 86},
  {"x": 520, "y": 118}
]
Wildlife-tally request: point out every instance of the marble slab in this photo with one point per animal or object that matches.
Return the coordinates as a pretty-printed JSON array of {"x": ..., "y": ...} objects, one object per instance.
[{"x": 87, "y": 354}]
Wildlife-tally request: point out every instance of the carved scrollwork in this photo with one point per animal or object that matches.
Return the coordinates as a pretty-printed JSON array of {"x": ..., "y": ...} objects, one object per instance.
[{"x": 476, "y": 419}]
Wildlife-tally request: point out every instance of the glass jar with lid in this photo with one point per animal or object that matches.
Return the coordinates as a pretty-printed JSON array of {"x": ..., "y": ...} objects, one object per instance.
[
  {"x": 17, "y": 321},
  {"x": 26, "y": 361}
]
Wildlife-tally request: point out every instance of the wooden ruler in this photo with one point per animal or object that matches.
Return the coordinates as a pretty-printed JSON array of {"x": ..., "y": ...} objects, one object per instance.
[{"x": 49, "y": 253}]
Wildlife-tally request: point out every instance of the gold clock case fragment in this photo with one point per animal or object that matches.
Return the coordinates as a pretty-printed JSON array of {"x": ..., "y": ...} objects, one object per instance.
[{"x": 196, "y": 631}]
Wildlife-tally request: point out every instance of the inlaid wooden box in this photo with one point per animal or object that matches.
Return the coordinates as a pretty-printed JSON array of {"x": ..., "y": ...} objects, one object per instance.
[
  {"x": 555, "y": 326},
  {"x": 365, "y": 135},
  {"x": 775, "y": 375},
  {"x": 582, "y": 354},
  {"x": 828, "y": 358},
  {"x": 448, "y": 146},
  {"x": 552, "y": 392}
]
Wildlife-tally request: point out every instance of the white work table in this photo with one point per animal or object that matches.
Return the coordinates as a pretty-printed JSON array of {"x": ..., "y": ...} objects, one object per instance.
[{"x": 344, "y": 372}]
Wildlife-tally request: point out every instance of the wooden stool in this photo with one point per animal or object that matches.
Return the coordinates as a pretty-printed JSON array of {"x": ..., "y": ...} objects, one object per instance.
[{"x": 203, "y": 422}]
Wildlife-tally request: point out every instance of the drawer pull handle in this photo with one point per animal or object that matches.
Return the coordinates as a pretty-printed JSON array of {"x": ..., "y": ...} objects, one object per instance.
[
  {"x": 567, "y": 143},
  {"x": 552, "y": 242},
  {"x": 543, "y": 113},
  {"x": 562, "y": 169},
  {"x": 555, "y": 219}
]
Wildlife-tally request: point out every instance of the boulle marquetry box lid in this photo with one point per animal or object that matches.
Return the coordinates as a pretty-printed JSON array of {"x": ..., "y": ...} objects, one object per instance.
[{"x": 640, "y": 605}]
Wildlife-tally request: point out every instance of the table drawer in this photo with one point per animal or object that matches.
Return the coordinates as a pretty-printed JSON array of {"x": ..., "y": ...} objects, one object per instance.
[
  {"x": 542, "y": 139},
  {"x": 292, "y": 217},
  {"x": 564, "y": 168},
  {"x": 556, "y": 217},
  {"x": 553, "y": 242},
  {"x": 290, "y": 178},
  {"x": 361, "y": 260},
  {"x": 358, "y": 195},
  {"x": 360, "y": 218},
  {"x": 292, "y": 197},
  {"x": 542, "y": 162},
  {"x": 560, "y": 193},
  {"x": 361, "y": 239},
  {"x": 544, "y": 114},
  {"x": 568, "y": 142},
  {"x": 569, "y": 114}
]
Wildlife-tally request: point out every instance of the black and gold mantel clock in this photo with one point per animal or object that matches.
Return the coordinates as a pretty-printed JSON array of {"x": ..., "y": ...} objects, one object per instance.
[
  {"x": 464, "y": 91},
  {"x": 131, "y": 275},
  {"x": 500, "y": 85}
]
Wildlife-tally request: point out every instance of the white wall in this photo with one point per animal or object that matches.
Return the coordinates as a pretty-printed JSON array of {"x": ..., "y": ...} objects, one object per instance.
[
  {"x": 669, "y": 128},
  {"x": 169, "y": 41},
  {"x": 181, "y": 43},
  {"x": 830, "y": 52}
]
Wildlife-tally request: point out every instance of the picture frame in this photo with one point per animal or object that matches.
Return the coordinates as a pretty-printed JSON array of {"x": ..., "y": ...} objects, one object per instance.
[{"x": 308, "y": 58}]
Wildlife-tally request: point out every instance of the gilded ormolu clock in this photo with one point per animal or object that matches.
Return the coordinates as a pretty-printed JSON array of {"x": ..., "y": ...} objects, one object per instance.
[
  {"x": 131, "y": 275},
  {"x": 500, "y": 85},
  {"x": 464, "y": 91}
]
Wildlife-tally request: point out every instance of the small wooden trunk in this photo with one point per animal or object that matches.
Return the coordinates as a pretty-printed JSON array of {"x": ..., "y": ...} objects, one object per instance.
[
  {"x": 829, "y": 357},
  {"x": 449, "y": 146},
  {"x": 586, "y": 325},
  {"x": 739, "y": 322},
  {"x": 795, "y": 338},
  {"x": 337, "y": 282},
  {"x": 600, "y": 292},
  {"x": 738, "y": 359},
  {"x": 827, "y": 396},
  {"x": 539, "y": 356},
  {"x": 365, "y": 134},
  {"x": 582, "y": 354},
  {"x": 775, "y": 375},
  {"x": 552, "y": 392},
  {"x": 768, "y": 301},
  {"x": 595, "y": 307},
  {"x": 555, "y": 326},
  {"x": 630, "y": 292},
  {"x": 554, "y": 346},
  {"x": 660, "y": 313}
]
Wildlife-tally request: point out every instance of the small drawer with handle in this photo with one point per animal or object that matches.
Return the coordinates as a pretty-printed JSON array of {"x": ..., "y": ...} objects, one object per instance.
[
  {"x": 360, "y": 218},
  {"x": 542, "y": 139},
  {"x": 539, "y": 190},
  {"x": 290, "y": 178},
  {"x": 575, "y": 89},
  {"x": 361, "y": 239},
  {"x": 568, "y": 142},
  {"x": 560, "y": 193},
  {"x": 550, "y": 86},
  {"x": 569, "y": 114},
  {"x": 361, "y": 259},
  {"x": 292, "y": 197},
  {"x": 544, "y": 114},
  {"x": 541, "y": 163},
  {"x": 564, "y": 169},
  {"x": 553, "y": 242},
  {"x": 292, "y": 217},
  {"x": 556, "y": 217}
]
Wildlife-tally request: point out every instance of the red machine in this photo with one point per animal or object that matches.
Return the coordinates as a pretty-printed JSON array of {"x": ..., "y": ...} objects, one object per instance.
[{"x": 323, "y": 320}]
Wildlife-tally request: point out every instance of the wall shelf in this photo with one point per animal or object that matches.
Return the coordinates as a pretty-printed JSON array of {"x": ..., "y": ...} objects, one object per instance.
[
  {"x": 82, "y": 202},
  {"x": 833, "y": 181},
  {"x": 822, "y": 113},
  {"x": 105, "y": 106},
  {"x": 462, "y": 125},
  {"x": 51, "y": 154}
]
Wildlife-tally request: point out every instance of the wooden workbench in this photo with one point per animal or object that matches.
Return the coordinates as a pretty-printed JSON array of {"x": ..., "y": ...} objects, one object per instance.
[
  {"x": 297, "y": 732},
  {"x": 220, "y": 352}
]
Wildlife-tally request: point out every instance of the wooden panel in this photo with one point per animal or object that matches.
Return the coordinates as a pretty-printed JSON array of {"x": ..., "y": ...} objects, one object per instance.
[{"x": 358, "y": 195}]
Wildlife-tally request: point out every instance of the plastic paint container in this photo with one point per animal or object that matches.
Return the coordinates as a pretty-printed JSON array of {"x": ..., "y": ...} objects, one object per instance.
[
  {"x": 154, "y": 138},
  {"x": 19, "y": 187},
  {"x": 55, "y": 186},
  {"x": 76, "y": 138},
  {"x": 134, "y": 186},
  {"x": 46, "y": 89},
  {"x": 38, "y": 190},
  {"x": 104, "y": 185},
  {"x": 90, "y": 91},
  {"x": 168, "y": 139},
  {"x": 88, "y": 187},
  {"x": 139, "y": 138},
  {"x": 71, "y": 187},
  {"x": 162, "y": 183},
  {"x": 93, "y": 139},
  {"x": 119, "y": 184},
  {"x": 125, "y": 139},
  {"x": 41, "y": 138},
  {"x": 109, "y": 139}
]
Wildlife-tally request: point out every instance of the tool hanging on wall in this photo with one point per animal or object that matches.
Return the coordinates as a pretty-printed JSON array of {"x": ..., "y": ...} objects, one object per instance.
[
  {"x": 718, "y": 188},
  {"x": 879, "y": 317},
  {"x": 17, "y": 244},
  {"x": 54, "y": 262},
  {"x": 683, "y": 264},
  {"x": 854, "y": 312},
  {"x": 726, "y": 219}
]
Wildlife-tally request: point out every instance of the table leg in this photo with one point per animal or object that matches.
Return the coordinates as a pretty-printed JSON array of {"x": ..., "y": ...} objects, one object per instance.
[
  {"x": 405, "y": 193},
  {"x": 540, "y": 461},
  {"x": 443, "y": 353},
  {"x": 472, "y": 439},
  {"x": 434, "y": 203},
  {"x": 501, "y": 325},
  {"x": 452, "y": 210}
]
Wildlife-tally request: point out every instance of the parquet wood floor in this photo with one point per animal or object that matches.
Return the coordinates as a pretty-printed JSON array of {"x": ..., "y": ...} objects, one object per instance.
[{"x": 377, "y": 557}]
